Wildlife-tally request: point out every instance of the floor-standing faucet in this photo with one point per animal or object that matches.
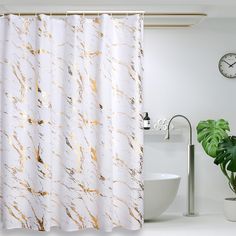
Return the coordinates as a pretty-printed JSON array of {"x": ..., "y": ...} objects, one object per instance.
[{"x": 190, "y": 200}]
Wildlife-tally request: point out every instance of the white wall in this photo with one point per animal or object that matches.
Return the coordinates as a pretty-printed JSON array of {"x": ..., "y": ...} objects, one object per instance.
[{"x": 181, "y": 76}]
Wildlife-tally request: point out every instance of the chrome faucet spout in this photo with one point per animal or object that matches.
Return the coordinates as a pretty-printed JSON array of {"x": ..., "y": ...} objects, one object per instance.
[
  {"x": 190, "y": 128},
  {"x": 190, "y": 190}
]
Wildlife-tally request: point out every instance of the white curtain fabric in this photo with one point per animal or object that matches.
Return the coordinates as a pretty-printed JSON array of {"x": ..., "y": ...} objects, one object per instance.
[{"x": 71, "y": 138}]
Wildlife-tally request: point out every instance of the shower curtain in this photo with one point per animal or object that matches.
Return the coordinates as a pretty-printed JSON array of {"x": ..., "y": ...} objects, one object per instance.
[{"x": 71, "y": 138}]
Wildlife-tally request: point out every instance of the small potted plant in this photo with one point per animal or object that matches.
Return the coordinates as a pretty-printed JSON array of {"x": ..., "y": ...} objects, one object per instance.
[{"x": 213, "y": 135}]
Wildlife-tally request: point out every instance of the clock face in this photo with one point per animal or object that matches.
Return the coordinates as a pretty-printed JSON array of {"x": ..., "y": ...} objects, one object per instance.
[{"x": 227, "y": 65}]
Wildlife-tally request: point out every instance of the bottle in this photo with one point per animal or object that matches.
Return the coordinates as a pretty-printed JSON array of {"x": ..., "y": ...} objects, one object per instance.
[{"x": 146, "y": 121}]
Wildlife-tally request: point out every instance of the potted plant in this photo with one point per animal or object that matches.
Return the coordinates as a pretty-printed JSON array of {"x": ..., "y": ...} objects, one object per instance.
[{"x": 213, "y": 135}]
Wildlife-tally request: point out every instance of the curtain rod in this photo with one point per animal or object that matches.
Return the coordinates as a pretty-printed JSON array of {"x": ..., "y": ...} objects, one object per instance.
[
  {"x": 121, "y": 13},
  {"x": 115, "y": 13}
]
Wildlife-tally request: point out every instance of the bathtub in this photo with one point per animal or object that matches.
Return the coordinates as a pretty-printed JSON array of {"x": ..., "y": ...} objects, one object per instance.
[{"x": 159, "y": 192}]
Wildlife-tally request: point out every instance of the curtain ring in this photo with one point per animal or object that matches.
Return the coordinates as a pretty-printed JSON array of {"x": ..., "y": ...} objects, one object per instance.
[{"x": 142, "y": 15}]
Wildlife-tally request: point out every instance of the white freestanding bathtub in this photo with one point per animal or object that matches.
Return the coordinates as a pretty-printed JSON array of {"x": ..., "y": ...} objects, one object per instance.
[{"x": 159, "y": 192}]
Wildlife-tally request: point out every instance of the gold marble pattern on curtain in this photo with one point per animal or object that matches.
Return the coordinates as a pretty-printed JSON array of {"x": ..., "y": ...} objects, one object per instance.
[{"x": 71, "y": 139}]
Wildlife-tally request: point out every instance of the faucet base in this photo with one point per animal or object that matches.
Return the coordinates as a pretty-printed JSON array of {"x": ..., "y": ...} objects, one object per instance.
[{"x": 190, "y": 214}]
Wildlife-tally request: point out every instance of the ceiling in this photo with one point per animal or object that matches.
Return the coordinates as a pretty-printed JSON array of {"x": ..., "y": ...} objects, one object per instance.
[
  {"x": 214, "y": 8},
  {"x": 121, "y": 2}
]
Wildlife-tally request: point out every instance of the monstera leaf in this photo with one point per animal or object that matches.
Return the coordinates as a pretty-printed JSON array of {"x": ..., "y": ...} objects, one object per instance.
[
  {"x": 210, "y": 133},
  {"x": 226, "y": 154}
]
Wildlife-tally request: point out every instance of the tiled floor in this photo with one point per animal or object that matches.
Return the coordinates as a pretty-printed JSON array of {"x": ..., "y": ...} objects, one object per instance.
[
  {"x": 203, "y": 225},
  {"x": 168, "y": 225}
]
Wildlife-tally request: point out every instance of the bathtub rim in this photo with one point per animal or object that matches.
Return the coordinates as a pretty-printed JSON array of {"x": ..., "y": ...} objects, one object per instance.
[{"x": 156, "y": 176}]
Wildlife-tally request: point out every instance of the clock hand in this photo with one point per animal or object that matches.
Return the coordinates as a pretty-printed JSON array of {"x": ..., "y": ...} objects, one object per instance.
[
  {"x": 232, "y": 64},
  {"x": 226, "y": 63}
]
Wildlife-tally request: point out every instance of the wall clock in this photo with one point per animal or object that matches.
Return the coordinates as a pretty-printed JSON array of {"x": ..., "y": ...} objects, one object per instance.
[{"x": 227, "y": 65}]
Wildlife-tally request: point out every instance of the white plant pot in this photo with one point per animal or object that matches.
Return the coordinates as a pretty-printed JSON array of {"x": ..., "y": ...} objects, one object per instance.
[{"x": 230, "y": 209}]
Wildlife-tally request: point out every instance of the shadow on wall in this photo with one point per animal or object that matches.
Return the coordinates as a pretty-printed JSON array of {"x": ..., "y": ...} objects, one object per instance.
[{"x": 160, "y": 138}]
